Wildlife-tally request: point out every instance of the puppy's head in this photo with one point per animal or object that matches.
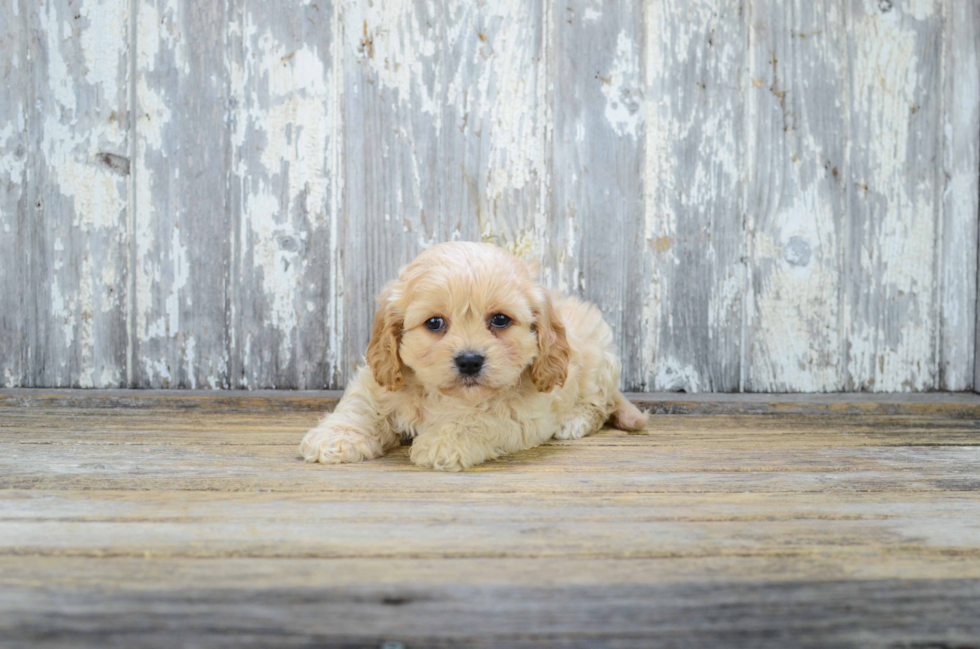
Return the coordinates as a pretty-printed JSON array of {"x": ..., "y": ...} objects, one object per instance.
[{"x": 468, "y": 319}]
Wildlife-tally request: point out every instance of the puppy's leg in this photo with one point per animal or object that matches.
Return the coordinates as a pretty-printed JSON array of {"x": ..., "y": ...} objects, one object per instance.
[
  {"x": 583, "y": 420},
  {"x": 457, "y": 443},
  {"x": 357, "y": 430},
  {"x": 452, "y": 446}
]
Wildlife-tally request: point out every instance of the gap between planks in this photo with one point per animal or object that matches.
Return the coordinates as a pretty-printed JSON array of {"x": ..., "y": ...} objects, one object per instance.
[{"x": 963, "y": 404}]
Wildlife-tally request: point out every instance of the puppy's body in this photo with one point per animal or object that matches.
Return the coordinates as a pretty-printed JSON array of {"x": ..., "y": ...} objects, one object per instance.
[{"x": 473, "y": 390}]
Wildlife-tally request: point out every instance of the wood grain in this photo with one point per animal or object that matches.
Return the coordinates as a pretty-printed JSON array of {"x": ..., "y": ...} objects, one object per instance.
[
  {"x": 79, "y": 193},
  {"x": 961, "y": 196},
  {"x": 183, "y": 224},
  {"x": 894, "y": 193},
  {"x": 845, "y": 614},
  {"x": 166, "y": 524},
  {"x": 796, "y": 211},
  {"x": 445, "y": 139},
  {"x": 285, "y": 181},
  {"x": 596, "y": 217},
  {"x": 16, "y": 299},
  {"x": 759, "y": 196},
  {"x": 694, "y": 207}
]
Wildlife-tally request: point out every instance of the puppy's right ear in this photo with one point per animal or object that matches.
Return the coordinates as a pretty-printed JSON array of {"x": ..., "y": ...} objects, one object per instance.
[{"x": 382, "y": 351}]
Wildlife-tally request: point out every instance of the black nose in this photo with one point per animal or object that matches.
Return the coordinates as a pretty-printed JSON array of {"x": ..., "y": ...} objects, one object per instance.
[{"x": 469, "y": 364}]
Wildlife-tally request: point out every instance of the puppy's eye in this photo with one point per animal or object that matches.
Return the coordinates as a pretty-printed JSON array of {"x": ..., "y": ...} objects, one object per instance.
[
  {"x": 435, "y": 324},
  {"x": 500, "y": 321}
]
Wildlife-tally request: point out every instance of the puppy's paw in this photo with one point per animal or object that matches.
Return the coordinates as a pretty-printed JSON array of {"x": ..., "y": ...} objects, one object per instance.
[
  {"x": 438, "y": 452},
  {"x": 338, "y": 444},
  {"x": 575, "y": 428}
]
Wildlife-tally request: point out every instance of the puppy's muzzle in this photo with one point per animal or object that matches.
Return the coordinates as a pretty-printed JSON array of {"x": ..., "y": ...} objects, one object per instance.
[{"x": 469, "y": 363}]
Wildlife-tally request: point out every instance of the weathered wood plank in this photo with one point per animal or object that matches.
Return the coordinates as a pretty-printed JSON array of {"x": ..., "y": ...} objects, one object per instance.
[
  {"x": 236, "y": 452},
  {"x": 961, "y": 197},
  {"x": 150, "y": 572},
  {"x": 685, "y": 526},
  {"x": 78, "y": 248},
  {"x": 445, "y": 139},
  {"x": 796, "y": 210},
  {"x": 276, "y": 433},
  {"x": 16, "y": 299},
  {"x": 183, "y": 221},
  {"x": 503, "y": 89},
  {"x": 693, "y": 310},
  {"x": 841, "y": 613},
  {"x": 894, "y": 188},
  {"x": 596, "y": 217},
  {"x": 286, "y": 186}
]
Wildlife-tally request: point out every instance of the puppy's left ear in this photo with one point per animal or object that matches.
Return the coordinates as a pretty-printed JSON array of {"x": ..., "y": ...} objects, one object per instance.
[
  {"x": 550, "y": 368},
  {"x": 382, "y": 351}
]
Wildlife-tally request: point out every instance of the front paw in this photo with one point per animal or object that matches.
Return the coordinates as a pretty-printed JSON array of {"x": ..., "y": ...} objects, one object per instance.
[
  {"x": 574, "y": 428},
  {"x": 439, "y": 452},
  {"x": 338, "y": 443}
]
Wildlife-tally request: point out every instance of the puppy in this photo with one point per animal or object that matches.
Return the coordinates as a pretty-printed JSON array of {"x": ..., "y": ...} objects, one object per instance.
[{"x": 472, "y": 359}]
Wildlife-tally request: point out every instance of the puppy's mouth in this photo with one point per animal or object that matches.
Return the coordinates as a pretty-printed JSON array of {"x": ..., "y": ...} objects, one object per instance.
[
  {"x": 470, "y": 381},
  {"x": 466, "y": 386}
]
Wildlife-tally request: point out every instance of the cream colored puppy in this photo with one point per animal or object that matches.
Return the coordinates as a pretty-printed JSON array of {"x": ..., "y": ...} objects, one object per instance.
[{"x": 472, "y": 358}]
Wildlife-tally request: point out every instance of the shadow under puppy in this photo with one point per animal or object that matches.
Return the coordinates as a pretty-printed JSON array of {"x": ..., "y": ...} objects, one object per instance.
[{"x": 474, "y": 359}]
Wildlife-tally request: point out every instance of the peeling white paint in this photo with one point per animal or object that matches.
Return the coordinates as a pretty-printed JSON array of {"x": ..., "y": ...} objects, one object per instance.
[
  {"x": 658, "y": 183},
  {"x": 335, "y": 307},
  {"x": 468, "y": 83},
  {"x": 10, "y": 380},
  {"x": 81, "y": 112},
  {"x": 892, "y": 348},
  {"x": 158, "y": 29},
  {"x": 673, "y": 376},
  {"x": 961, "y": 201},
  {"x": 190, "y": 360},
  {"x": 12, "y": 163},
  {"x": 797, "y": 306},
  {"x": 621, "y": 88},
  {"x": 99, "y": 195},
  {"x": 289, "y": 98},
  {"x": 390, "y": 38},
  {"x": 104, "y": 41}
]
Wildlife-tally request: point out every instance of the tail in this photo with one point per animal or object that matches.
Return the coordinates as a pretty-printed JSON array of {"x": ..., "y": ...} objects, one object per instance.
[{"x": 626, "y": 416}]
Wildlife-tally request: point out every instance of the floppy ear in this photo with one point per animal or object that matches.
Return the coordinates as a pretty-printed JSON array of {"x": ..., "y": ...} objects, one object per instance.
[
  {"x": 550, "y": 368},
  {"x": 382, "y": 351}
]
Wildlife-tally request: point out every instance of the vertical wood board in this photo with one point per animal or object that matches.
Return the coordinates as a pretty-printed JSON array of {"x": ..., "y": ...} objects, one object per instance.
[
  {"x": 894, "y": 191},
  {"x": 796, "y": 207},
  {"x": 16, "y": 300},
  {"x": 694, "y": 212},
  {"x": 79, "y": 171},
  {"x": 596, "y": 222},
  {"x": 286, "y": 185}
]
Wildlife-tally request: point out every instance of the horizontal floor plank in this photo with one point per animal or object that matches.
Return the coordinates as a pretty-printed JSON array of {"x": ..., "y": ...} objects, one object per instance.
[{"x": 865, "y": 613}]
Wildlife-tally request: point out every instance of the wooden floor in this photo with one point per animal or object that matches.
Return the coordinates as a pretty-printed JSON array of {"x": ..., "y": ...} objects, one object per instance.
[{"x": 150, "y": 519}]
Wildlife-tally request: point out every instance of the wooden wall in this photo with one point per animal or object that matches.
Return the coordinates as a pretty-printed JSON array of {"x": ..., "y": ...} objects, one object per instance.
[{"x": 762, "y": 195}]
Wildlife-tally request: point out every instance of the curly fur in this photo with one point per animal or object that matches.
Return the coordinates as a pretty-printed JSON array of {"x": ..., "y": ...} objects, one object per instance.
[{"x": 551, "y": 373}]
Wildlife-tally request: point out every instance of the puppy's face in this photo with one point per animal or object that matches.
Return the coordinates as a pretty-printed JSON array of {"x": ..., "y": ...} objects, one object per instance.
[{"x": 468, "y": 320}]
